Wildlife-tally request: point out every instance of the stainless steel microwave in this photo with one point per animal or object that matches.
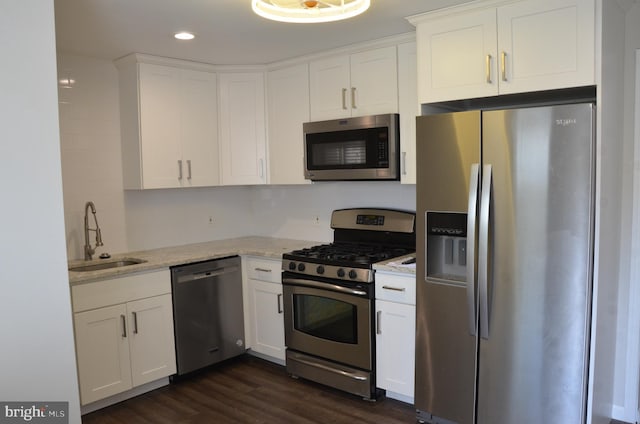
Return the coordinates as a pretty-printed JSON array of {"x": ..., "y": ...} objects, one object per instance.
[{"x": 360, "y": 148}]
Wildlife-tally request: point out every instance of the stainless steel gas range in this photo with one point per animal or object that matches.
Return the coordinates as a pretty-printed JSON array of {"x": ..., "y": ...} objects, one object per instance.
[{"x": 329, "y": 298}]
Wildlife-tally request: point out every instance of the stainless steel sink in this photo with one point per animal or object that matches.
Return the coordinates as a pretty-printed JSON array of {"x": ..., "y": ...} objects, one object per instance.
[{"x": 106, "y": 265}]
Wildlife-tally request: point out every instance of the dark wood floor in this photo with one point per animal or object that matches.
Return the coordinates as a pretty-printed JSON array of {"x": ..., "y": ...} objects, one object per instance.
[{"x": 250, "y": 390}]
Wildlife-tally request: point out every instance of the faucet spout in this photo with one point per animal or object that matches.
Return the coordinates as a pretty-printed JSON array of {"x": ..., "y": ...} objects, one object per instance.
[{"x": 88, "y": 250}]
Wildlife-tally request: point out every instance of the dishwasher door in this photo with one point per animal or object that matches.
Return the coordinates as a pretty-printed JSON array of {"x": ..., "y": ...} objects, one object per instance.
[{"x": 207, "y": 311}]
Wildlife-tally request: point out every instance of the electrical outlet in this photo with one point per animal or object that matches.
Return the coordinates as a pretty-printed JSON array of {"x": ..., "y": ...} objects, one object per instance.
[{"x": 316, "y": 220}]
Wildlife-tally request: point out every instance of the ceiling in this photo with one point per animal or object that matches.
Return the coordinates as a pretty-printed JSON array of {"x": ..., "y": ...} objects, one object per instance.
[{"x": 227, "y": 31}]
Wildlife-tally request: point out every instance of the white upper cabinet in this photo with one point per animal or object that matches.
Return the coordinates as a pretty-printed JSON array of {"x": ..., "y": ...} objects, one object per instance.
[
  {"x": 363, "y": 83},
  {"x": 242, "y": 128},
  {"x": 502, "y": 47},
  {"x": 169, "y": 126},
  {"x": 546, "y": 44},
  {"x": 288, "y": 109},
  {"x": 409, "y": 108},
  {"x": 200, "y": 129}
]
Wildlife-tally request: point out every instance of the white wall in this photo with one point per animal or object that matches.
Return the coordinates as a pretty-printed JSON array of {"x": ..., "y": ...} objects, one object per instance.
[
  {"x": 627, "y": 359},
  {"x": 37, "y": 359},
  {"x": 91, "y": 154},
  {"x": 136, "y": 220}
]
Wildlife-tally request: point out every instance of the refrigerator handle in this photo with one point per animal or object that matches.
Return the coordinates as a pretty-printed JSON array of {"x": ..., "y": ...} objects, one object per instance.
[
  {"x": 472, "y": 213},
  {"x": 483, "y": 249}
]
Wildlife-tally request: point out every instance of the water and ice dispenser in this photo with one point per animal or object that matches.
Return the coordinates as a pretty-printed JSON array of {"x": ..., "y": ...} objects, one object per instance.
[{"x": 446, "y": 246}]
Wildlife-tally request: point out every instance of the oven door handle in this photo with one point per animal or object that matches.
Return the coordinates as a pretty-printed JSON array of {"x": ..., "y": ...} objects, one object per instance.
[{"x": 324, "y": 286}]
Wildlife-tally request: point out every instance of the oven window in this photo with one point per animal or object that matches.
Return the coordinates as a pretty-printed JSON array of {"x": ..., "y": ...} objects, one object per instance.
[{"x": 326, "y": 318}]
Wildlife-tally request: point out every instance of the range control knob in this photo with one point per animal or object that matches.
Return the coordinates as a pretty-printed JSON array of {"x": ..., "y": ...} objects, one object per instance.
[
  {"x": 341, "y": 273},
  {"x": 353, "y": 274},
  {"x": 292, "y": 266},
  {"x": 301, "y": 267},
  {"x": 320, "y": 269}
]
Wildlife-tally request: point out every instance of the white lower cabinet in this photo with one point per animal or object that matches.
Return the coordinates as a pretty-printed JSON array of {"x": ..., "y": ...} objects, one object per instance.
[
  {"x": 264, "y": 308},
  {"x": 395, "y": 335},
  {"x": 124, "y": 334}
]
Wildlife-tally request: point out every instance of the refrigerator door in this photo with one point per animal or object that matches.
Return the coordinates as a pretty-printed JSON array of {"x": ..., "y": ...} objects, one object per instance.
[
  {"x": 448, "y": 146},
  {"x": 535, "y": 319}
]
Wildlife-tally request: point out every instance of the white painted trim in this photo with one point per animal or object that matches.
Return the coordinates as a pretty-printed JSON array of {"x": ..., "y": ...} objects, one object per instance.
[{"x": 632, "y": 383}]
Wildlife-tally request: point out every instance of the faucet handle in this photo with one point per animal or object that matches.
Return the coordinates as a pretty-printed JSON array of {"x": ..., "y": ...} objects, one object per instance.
[{"x": 98, "y": 237}]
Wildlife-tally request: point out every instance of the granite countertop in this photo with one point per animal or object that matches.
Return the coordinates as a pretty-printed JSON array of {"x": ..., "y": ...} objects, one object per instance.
[
  {"x": 396, "y": 265},
  {"x": 170, "y": 256}
]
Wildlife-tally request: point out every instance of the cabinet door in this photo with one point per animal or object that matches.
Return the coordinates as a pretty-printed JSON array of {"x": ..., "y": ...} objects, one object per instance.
[
  {"x": 242, "y": 129},
  {"x": 151, "y": 341},
  {"x": 102, "y": 350},
  {"x": 395, "y": 344},
  {"x": 548, "y": 44},
  {"x": 199, "y": 129},
  {"x": 374, "y": 82},
  {"x": 160, "y": 111},
  {"x": 288, "y": 94},
  {"x": 267, "y": 319},
  {"x": 409, "y": 108},
  {"x": 457, "y": 57},
  {"x": 329, "y": 86}
]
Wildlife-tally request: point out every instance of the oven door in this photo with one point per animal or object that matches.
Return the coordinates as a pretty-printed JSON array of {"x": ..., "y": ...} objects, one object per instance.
[{"x": 329, "y": 321}]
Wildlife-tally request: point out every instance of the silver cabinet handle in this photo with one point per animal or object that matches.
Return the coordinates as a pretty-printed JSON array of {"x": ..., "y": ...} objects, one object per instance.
[
  {"x": 179, "y": 169},
  {"x": 353, "y": 98},
  {"x": 483, "y": 250},
  {"x": 404, "y": 163},
  {"x": 279, "y": 300},
  {"x": 472, "y": 213},
  {"x": 188, "y": 169},
  {"x": 344, "y": 99},
  {"x": 124, "y": 325},
  {"x": 135, "y": 322},
  {"x": 378, "y": 321},
  {"x": 261, "y": 164},
  {"x": 262, "y": 269},
  {"x": 503, "y": 65},
  {"x": 399, "y": 289},
  {"x": 488, "y": 68}
]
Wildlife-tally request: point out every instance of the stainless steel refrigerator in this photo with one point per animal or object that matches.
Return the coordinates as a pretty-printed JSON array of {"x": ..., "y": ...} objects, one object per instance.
[{"x": 505, "y": 217}]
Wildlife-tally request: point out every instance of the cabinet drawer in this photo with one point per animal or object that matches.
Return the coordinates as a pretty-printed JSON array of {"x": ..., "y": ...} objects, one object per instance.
[
  {"x": 264, "y": 269},
  {"x": 120, "y": 290},
  {"x": 396, "y": 288}
]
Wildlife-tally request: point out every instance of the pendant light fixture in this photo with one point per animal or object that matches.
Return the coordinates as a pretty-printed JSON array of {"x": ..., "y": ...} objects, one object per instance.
[{"x": 302, "y": 11}]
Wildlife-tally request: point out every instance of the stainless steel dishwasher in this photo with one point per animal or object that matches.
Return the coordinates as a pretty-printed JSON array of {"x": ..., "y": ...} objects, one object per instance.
[{"x": 207, "y": 312}]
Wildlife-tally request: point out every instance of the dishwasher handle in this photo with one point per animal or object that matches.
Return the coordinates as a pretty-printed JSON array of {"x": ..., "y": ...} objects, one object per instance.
[{"x": 208, "y": 274}]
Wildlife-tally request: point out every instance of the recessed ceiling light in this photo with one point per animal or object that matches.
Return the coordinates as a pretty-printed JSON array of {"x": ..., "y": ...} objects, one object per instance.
[{"x": 184, "y": 35}]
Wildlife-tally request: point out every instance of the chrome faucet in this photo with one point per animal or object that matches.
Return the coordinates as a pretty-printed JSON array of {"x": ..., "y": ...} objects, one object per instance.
[{"x": 88, "y": 250}]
